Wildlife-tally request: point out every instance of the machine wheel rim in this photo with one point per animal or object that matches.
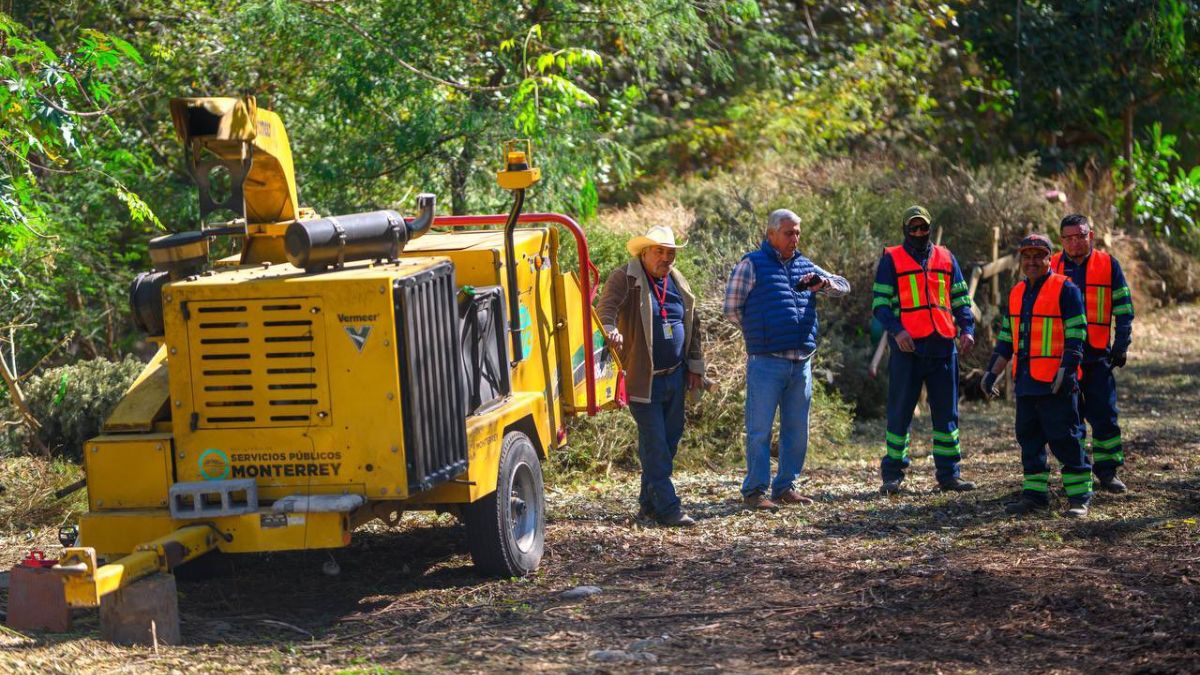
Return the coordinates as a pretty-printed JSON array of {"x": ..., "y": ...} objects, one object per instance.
[{"x": 523, "y": 509}]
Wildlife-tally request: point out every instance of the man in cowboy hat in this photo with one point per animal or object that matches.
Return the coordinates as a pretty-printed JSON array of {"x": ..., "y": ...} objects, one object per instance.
[
  {"x": 1043, "y": 333},
  {"x": 649, "y": 313},
  {"x": 771, "y": 296}
]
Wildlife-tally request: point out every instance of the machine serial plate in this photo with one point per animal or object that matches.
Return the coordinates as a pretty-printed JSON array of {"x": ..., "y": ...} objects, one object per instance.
[{"x": 271, "y": 520}]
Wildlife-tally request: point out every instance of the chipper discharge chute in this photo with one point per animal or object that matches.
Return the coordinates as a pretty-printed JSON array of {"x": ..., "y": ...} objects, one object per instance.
[{"x": 337, "y": 370}]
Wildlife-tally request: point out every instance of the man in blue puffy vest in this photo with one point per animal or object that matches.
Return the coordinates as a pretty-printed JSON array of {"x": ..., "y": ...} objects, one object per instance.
[{"x": 771, "y": 296}]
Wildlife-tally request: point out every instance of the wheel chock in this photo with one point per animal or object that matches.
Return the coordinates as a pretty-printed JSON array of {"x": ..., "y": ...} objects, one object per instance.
[
  {"x": 35, "y": 597},
  {"x": 145, "y": 612}
]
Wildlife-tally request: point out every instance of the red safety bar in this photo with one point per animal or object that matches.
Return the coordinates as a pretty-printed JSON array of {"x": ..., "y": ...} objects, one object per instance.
[{"x": 589, "y": 278}]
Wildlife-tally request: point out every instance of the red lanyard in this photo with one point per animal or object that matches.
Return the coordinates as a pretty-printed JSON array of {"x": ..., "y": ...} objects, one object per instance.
[{"x": 662, "y": 297}]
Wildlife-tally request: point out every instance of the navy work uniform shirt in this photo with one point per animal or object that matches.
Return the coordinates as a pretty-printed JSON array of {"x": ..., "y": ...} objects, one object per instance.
[{"x": 668, "y": 333}]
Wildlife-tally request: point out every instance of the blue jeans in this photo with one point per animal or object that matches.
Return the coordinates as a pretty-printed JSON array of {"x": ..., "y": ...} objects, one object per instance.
[
  {"x": 660, "y": 426},
  {"x": 772, "y": 384}
]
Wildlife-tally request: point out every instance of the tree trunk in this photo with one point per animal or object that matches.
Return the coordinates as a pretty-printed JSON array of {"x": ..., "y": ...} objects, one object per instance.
[
  {"x": 18, "y": 400},
  {"x": 460, "y": 174},
  {"x": 1127, "y": 152}
]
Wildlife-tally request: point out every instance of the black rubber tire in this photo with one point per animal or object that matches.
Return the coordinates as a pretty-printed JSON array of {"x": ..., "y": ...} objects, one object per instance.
[{"x": 506, "y": 530}]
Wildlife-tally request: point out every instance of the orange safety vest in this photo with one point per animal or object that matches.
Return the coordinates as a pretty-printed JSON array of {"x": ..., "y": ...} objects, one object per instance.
[
  {"x": 924, "y": 294},
  {"x": 1046, "y": 336},
  {"x": 1097, "y": 295}
]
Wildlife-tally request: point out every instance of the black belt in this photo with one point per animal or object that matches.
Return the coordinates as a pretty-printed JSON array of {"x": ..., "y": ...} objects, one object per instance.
[{"x": 668, "y": 371}]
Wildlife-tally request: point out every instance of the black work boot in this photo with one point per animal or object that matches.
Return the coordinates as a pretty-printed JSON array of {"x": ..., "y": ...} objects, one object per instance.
[
  {"x": 956, "y": 485},
  {"x": 1112, "y": 484},
  {"x": 1076, "y": 510},
  {"x": 890, "y": 487},
  {"x": 678, "y": 519},
  {"x": 1024, "y": 506}
]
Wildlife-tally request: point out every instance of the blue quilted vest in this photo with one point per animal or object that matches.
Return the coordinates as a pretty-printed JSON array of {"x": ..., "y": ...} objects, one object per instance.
[{"x": 777, "y": 317}]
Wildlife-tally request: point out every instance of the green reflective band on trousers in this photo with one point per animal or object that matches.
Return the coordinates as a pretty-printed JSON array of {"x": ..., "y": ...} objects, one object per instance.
[
  {"x": 1107, "y": 444},
  {"x": 1075, "y": 484},
  {"x": 897, "y": 446},
  {"x": 1037, "y": 482},
  {"x": 949, "y": 437},
  {"x": 882, "y": 302},
  {"x": 883, "y": 288},
  {"x": 1118, "y": 457},
  {"x": 946, "y": 450}
]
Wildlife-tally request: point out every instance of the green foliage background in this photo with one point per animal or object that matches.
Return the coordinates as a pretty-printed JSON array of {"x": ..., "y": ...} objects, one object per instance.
[{"x": 846, "y": 112}]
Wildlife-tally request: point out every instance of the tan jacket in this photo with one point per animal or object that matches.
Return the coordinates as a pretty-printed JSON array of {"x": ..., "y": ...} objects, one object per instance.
[{"x": 626, "y": 305}]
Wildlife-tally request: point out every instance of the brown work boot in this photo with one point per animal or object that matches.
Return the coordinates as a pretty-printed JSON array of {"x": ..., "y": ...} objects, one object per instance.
[
  {"x": 759, "y": 502},
  {"x": 793, "y": 497}
]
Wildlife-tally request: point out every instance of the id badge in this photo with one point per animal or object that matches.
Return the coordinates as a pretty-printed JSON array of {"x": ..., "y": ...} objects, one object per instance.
[{"x": 668, "y": 333}]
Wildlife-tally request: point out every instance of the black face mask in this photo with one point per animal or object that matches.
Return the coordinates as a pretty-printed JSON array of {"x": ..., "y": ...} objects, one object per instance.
[{"x": 916, "y": 241}]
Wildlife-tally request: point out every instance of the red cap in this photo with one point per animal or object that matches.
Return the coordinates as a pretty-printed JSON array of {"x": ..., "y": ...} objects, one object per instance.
[{"x": 1035, "y": 241}]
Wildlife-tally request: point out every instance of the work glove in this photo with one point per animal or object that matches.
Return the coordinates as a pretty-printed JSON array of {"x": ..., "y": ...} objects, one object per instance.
[
  {"x": 988, "y": 385},
  {"x": 1117, "y": 359},
  {"x": 966, "y": 342},
  {"x": 1059, "y": 378}
]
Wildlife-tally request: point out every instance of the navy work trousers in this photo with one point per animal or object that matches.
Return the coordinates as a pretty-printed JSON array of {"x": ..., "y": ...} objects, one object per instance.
[
  {"x": 1098, "y": 389},
  {"x": 1053, "y": 420},
  {"x": 907, "y": 373}
]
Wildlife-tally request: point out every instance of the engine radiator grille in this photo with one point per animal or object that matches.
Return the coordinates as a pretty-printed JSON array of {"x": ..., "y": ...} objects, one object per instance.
[
  {"x": 258, "y": 363},
  {"x": 434, "y": 408}
]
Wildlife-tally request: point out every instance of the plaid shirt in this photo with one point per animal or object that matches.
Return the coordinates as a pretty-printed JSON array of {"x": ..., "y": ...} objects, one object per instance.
[{"x": 741, "y": 282}]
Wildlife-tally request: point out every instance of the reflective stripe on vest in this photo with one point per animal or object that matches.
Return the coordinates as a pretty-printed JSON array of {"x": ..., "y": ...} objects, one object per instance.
[
  {"x": 924, "y": 293},
  {"x": 1097, "y": 295},
  {"x": 1046, "y": 336}
]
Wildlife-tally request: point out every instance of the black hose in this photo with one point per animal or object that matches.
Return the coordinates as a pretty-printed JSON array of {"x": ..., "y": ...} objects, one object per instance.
[{"x": 510, "y": 264}]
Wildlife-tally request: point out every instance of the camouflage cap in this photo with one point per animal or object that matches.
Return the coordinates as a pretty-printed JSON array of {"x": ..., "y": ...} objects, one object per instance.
[{"x": 916, "y": 212}]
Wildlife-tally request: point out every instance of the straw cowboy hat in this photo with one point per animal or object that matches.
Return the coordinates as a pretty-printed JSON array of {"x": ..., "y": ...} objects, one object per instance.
[{"x": 659, "y": 235}]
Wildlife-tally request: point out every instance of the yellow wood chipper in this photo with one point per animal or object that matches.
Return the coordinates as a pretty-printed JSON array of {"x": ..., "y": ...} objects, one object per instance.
[{"x": 337, "y": 370}]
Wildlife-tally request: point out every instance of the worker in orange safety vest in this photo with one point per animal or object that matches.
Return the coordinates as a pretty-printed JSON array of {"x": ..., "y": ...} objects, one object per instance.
[
  {"x": 1042, "y": 335},
  {"x": 921, "y": 300},
  {"x": 1109, "y": 308}
]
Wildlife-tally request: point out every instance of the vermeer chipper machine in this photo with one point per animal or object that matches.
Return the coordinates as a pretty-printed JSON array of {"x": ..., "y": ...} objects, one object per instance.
[{"x": 337, "y": 370}]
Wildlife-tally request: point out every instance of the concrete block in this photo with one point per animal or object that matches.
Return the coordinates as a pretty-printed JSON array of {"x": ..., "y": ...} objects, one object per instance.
[
  {"x": 126, "y": 615},
  {"x": 36, "y": 600},
  {"x": 213, "y": 498}
]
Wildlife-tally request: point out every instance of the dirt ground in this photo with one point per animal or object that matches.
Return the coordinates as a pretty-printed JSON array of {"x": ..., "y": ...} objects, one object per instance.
[{"x": 922, "y": 581}]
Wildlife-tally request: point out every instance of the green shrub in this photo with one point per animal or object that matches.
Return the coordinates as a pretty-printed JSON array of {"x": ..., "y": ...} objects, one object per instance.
[{"x": 71, "y": 403}]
